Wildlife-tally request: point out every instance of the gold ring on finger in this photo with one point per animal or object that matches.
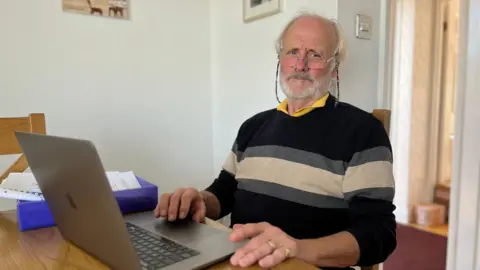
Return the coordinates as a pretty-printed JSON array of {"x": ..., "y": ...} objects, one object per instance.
[{"x": 287, "y": 252}]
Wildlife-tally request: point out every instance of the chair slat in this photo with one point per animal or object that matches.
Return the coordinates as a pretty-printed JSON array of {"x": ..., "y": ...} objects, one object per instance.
[
  {"x": 8, "y": 142},
  {"x": 34, "y": 123}
]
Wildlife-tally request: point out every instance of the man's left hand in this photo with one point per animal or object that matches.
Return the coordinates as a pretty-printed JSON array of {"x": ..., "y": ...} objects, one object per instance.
[{"x": 268, "y": 245}]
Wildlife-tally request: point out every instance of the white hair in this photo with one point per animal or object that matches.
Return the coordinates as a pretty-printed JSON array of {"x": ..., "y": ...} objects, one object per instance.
[{"x": 341, "y": 44}]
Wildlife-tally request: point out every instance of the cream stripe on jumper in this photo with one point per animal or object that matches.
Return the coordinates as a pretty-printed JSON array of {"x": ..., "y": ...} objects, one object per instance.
[
  {"x": 376, "y": 174},
  {"x": 231, "y": 163},
  {"x": 291, "y": 174}
]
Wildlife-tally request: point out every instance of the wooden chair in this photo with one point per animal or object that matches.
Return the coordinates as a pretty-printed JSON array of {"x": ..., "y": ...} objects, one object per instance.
[
  {"x": 384, "y": 116},
  {"x": 34, "y": 123}
]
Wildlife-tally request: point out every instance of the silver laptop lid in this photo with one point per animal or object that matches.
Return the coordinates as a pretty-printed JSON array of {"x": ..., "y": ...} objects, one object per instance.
[{"x": 72, "y": 179}]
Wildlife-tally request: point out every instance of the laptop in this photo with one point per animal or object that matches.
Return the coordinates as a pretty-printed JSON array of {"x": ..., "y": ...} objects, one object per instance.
[{"x": 74, "y": 184}]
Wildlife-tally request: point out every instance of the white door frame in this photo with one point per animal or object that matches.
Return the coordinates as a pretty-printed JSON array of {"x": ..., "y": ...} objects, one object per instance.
[
  {"x": 386, "y": 51},
  {"x": 464, "y": 229},
  {"x": 464, "y": 223},
  {"x": 397, "y": 95}
]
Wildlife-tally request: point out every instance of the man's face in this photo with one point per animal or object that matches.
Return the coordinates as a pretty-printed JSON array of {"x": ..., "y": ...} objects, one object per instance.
[{"x": 307, "y": 46}]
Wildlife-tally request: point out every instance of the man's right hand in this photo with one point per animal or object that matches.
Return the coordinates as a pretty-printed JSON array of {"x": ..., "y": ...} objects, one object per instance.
[{"x": 180, "y": 204}]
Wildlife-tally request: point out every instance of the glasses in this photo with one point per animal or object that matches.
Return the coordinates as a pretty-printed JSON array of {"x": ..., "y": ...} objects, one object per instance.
[{"x": 312, "y": 60}]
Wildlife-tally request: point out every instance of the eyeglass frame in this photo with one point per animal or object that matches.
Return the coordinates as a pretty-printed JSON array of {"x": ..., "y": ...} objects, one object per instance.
[{"x": 306, "y": 61}]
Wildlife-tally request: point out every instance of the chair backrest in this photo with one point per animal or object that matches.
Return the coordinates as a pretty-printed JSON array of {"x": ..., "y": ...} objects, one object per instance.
[
  {"x": 34, "y": 123},
  {"x": 384, "y": 116}
]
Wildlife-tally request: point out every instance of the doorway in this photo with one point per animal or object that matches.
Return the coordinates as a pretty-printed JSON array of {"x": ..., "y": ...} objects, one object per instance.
[
  {"x": 421, "y": 64},
  {"x": 420, "y": 75}
]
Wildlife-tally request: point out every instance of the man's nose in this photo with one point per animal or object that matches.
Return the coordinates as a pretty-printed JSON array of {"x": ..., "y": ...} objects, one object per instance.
[{"x": 301, "y": 64}]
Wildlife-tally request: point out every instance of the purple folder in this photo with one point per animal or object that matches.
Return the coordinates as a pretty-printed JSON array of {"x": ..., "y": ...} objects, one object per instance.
[{"x": 36, "y": 215}]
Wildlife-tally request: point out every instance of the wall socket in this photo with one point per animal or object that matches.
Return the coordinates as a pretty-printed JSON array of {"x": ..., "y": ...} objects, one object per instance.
[{"x": 363, "y": 27}]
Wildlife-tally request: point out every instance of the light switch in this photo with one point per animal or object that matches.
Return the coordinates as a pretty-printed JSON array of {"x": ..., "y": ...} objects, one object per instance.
[{"x": 363, "y": 27}]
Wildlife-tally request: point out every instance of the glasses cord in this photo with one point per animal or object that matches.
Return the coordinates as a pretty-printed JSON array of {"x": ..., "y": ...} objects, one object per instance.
[{"x": 276, "y": 82}]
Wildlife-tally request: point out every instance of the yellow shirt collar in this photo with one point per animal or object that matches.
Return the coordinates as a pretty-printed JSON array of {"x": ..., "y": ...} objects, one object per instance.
[{"x": 318, "y": 104}]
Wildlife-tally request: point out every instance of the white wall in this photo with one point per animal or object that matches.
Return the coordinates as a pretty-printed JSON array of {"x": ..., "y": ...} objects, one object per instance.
[
  {"x": 359, "y": 73},
  {"x": 244, "y": 62},
  {"x": 140, "y": 89}
]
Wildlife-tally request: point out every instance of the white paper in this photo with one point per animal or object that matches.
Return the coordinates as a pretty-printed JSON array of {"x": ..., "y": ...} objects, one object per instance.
[
  {"x": 21, "y": 182},
  {"x": 122, "y": 180},
  {"x": 23, "y": 186},
  {"x": 20, "y": 186},
  {"x": 20, "y": 195}
]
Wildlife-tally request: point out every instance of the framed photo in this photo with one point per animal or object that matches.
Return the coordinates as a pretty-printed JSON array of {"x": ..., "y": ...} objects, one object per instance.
[
  {"x": 257, "y": 9},
  {"x": 118, "y": 9}
]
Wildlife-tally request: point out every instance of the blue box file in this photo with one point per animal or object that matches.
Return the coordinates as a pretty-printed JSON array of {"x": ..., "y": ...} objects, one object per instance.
[{"x": 36, "y": 215}]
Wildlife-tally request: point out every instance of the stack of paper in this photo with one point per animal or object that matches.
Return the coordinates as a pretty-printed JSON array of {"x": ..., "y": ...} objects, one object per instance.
[
  {"x": 23, "y": 186},
  {"x": 122, "y": 180},
  {"x": 20, "y": 186}
]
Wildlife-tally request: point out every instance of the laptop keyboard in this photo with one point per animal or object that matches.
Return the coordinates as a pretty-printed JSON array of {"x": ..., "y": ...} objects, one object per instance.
[{"x": 155, "y": 251}]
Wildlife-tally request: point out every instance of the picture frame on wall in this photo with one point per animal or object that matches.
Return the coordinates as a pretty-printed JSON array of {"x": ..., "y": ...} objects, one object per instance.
[
  {"x": 258, "y": 9},
  {"x": 117, "y": 9}
]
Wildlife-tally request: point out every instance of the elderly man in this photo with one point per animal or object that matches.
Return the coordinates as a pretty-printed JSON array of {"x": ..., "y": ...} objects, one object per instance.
[{"x": 311, "y": 179}]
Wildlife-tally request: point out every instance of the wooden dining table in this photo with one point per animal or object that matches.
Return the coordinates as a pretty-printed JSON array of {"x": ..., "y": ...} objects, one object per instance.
[{"x": 46, "y": 249}]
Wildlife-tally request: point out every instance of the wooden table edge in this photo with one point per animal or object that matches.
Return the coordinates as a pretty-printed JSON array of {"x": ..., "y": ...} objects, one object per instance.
[{"x": 45, "y": 248}]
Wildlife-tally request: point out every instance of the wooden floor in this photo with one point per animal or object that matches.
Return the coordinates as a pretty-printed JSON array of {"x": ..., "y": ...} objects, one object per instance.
[{"x": 440, "y": 230}]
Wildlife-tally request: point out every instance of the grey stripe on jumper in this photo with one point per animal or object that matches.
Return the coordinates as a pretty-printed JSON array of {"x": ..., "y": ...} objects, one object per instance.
[
  {"x": 383, "y": 193},
  {"x": 297, "y": 156},
  {"x": 291, "y": 194},
  {"x": 238, "y": 153},
  {"x": 380, "y": 153}
]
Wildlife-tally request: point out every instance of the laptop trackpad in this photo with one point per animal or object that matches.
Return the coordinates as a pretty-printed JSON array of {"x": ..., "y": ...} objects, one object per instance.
[{"x": 186, "y": 231}]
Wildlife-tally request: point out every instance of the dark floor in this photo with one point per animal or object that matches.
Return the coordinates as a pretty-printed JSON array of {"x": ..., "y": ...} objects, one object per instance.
[{"x": 417, "y": 250}]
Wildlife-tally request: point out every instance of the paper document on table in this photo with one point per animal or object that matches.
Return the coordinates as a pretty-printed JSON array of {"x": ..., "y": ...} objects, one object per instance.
[
  {"x": 122, "y": 180},
  {"x": 21, "y": 181},
  {"x": 20, "y": 186},
  {"x": 20, "y": 195},
  {"x": 23, "y": 186}
]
